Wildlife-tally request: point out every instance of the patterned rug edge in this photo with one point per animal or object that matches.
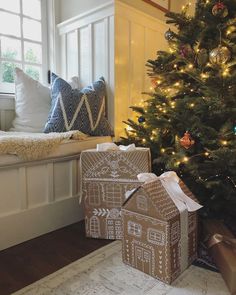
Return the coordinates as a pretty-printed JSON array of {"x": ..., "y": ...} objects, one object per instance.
[{"x": 113, "y": 246}]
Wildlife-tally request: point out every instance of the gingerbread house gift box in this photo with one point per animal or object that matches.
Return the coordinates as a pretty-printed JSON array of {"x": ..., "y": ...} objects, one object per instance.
[
  {"x": 106, "y": 176},
  {"x": 159, "y": 237}
]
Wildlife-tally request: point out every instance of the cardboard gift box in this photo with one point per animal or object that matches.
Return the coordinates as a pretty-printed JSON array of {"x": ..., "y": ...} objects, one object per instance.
[
  {"x": 106, "y": 177},
  {"x": 222, "y": 247},
  {"x": 159, "y": 238}
]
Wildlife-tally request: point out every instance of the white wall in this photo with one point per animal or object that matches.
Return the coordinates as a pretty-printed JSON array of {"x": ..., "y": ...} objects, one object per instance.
[
  {"x": 138, "y": 36},
  {"x": 71, "y": 8}
]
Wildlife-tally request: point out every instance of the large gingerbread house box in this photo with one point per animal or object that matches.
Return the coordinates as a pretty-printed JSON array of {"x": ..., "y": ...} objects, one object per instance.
[
  {"x": 106, "y": 177},
  {"x": 159, "y": 238}
]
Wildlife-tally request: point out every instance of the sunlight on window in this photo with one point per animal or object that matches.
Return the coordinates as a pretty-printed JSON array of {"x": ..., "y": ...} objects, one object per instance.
[
  {"x": 11, "y": 5},
  {"x": 10, "y": 48},
  {"x": 9, "y": 24},
  {"x": 34, "y": 72},
  {"x": 33, "y": 52},
  {"x": 8, "y": 71},
  {"x": 32, "y": 29},
  {"x": 32, "y": 8}
]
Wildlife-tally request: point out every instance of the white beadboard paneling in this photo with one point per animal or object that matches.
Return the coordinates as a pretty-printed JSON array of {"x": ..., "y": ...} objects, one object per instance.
[
  {"x": 122, "y": 71},
  {"x": 62, "y": 180},
  {"x": 72, "y": 54},
  {"x": 137, "y": 64},
  {"x": 85, "y": 44},
  {"x": 10, "y": 201},
  {"x": 36, "y": 185},
  {"x": 99, "y": 48},
  {"x": 138, "y": 36}
]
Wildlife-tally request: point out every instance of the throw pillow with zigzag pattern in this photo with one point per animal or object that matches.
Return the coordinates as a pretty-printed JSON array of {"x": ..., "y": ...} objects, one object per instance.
[{"x": 74, "y": 109}]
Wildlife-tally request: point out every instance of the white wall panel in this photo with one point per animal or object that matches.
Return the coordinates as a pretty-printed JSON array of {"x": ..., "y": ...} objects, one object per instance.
[
  {"x": 138, "y": 37},
  {"x": 84, "y": 53},
  {"x": 99, "y": 58},
  {"x": 72, "y": 54},
  {"x": 10, "y": 201},
  {"x": 62, "y": 181},
  {"x": 36, "y": 188}
]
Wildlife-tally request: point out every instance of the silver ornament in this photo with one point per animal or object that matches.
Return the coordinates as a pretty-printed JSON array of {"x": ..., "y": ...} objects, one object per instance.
[{"x": 220, "y": 55}]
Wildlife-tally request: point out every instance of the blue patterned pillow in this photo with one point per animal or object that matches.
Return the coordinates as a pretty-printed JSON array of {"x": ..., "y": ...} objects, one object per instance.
[{"x": 74, "y": 109}]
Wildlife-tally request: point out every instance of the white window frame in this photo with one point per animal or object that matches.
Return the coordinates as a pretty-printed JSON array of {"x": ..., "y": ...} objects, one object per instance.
[{"x": 45, "y": 11}]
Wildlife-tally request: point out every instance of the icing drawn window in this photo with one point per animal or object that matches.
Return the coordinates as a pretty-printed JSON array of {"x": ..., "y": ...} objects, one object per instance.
[
  {"x": 94, "y": 226},
  {"x": 156, "y": 237},
  {"x": 134, "y": 229},
  {"x": 142, "y": 203},
  {"x": 93, "y": 192},
  {"x": 113, "y": 195}
]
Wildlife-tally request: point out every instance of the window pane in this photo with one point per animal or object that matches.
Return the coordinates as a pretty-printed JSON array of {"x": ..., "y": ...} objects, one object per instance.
[
  {"x": 8, "y": 71},
  {"x": 10, "y": 48},
  {"x": 32, "y": 29},
  {"x": 33, "y": 72},
  {"x": 9, "y": 24},
  {"x": 11, "y": 5},
  {"x": 33, "y": 52},
  {"x": 32, "y": 8}
]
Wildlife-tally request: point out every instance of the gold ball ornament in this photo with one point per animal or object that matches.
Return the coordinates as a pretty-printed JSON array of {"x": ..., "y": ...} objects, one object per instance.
[
  {"x": 220, "y": 55},
  {"x": 220, "y": 10}
]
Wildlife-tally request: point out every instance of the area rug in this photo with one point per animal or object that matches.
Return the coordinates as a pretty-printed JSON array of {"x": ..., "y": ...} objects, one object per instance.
[{"x": 103, "y": 273}]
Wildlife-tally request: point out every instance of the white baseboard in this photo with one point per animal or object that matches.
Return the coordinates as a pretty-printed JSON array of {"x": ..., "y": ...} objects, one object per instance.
[{"x": 25, "y": 225}]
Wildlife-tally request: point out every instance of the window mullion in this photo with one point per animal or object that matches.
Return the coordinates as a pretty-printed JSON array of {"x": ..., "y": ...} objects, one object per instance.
[{"x": 22, "y": 36}]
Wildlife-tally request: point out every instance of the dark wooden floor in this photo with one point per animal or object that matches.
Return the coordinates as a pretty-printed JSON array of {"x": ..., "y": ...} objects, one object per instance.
[{"x": 28, "y": 262}]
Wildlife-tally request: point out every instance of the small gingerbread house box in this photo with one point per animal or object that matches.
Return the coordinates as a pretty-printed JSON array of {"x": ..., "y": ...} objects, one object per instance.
[
  {"x": 157, "y": 239},
  {"x": 106, "y": 177}
]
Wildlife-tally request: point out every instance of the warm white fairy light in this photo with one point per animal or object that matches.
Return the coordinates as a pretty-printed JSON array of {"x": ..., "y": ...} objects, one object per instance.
[
  {"x": 224, "y": 142},
  {"x": 185, "y": 159},
  {"x": 163, "y": 150}
]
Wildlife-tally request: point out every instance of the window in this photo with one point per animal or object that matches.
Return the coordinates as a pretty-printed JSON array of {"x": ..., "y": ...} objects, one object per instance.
[
  {"x": 23, "y": 40},
  {"x": 134, "y": 229},
  {"x": 93, "y": 192},
  {"x": 113, "y": 195},
  {"x": 142, "y": 203},
  {"x": 156, "y": 237}
]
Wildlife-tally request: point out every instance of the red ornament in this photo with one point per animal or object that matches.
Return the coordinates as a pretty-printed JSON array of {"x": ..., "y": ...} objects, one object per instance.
[
  {"x": 154, "y": 82},
  {"x": 186, "y": 141},
  {"x": 220, "y": 10}
]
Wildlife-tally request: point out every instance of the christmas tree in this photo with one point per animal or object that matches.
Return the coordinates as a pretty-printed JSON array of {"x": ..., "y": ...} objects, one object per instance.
[{"x": 189, "y": 120}]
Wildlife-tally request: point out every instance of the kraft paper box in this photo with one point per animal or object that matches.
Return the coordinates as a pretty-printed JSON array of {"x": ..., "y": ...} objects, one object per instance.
[
  {"x": 106, "y": 177},
  {"x": 222, "y": 247},
  {"x": 154, "y": 240}
]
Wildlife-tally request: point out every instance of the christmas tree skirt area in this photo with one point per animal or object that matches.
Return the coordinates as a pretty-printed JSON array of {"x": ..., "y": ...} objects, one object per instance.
[
  {"x": 103, "y": 272},
  {"x": 204, "y": 259}
]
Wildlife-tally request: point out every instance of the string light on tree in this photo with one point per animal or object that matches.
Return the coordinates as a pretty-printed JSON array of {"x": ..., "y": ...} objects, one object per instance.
[{"x": 194, "y": 89}]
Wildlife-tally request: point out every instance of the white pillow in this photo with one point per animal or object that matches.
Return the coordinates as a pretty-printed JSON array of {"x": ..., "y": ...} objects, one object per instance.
[{"x": 32, "y": 103}]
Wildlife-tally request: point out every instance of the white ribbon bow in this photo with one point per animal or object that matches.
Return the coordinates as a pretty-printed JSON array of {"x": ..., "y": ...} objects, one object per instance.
[
  {"x": 170, "y": 181},
  {"x": 110, "y": 146}
]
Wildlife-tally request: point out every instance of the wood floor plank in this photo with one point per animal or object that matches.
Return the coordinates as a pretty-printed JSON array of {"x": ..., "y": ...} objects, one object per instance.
[{"x": 30, "y": 261}]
